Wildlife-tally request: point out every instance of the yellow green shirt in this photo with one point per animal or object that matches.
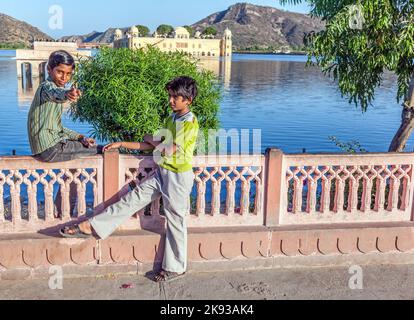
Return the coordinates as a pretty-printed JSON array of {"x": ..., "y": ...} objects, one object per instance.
[{"x": 183, "y": 132}]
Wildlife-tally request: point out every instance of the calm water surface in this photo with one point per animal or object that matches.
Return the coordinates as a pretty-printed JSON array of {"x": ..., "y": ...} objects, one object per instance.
[{"x": 295, "y": 107}]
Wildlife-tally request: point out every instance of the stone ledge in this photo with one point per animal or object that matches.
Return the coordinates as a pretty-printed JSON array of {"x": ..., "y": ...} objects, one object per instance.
[{"x": 209, "y": 249}]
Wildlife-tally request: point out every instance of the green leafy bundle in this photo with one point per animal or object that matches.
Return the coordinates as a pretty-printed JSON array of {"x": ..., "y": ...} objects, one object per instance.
[{"x": 124, "y": 96}]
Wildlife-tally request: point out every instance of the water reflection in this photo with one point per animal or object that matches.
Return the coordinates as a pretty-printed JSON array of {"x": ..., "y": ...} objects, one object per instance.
[
  {"x": 26, "y": 90},
  {"x": 294, "y": 106},
  {"x": 27, "y": 84}
]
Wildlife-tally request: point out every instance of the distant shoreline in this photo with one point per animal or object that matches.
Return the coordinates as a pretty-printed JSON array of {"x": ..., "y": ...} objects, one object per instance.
[{"x": 292, "y": 53}]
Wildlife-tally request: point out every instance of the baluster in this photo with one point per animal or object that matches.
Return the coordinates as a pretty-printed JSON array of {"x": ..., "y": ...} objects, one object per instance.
[
  {"x": 231, "y": 190},
  {"x": 245, "y": 192},
  {"x": 230, "y": 202},
  {"x": 216, "y": 188},
  {"x": 15, "y": 194},
  {"x": 201, "y": 191},
  {"x": 259, "y": 192},
  {"x": 326, "y": 190},
  {"x": 405, "y": 200},
  {"x": 297, "y": 192},
  {"x": 380, "y": 195},
  {"x": 366, "y": 195},
  {"x": 353, "y": 191},
  {"x": 32, "y": 194},
  {"x": 312, "y": 186},
  {"x": 48, "y": 191},
  {"x": 339, "y": 192},
  {"x": 82, "y": 191},
  {"x": 394, "y": 189},
  {"x": 366, "y": 189},
  {"x": 65, "y": 178}
]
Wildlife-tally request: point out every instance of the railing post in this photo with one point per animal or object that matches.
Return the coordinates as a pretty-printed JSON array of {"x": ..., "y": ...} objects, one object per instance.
[
  {"x": 111, "y": 174},
  {"x": 274, "y": 186}
]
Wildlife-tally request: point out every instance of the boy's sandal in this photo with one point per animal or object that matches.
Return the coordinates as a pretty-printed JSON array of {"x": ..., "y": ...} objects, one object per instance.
[
  {"x": 167, "y": 276},
  {"x": 74, "y": 232}
]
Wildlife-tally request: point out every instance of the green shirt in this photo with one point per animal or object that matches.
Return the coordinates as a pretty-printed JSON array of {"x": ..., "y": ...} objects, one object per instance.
[
  {"x": 181, "y": 131},
  {"x": 44, "y": 124}
]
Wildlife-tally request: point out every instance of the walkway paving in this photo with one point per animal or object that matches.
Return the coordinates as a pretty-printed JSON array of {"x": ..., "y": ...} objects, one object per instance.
[{"x": 378, "y": 282}]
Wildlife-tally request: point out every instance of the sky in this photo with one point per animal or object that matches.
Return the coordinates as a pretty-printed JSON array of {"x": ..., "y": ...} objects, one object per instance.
[{"x": 84, "y": 16}]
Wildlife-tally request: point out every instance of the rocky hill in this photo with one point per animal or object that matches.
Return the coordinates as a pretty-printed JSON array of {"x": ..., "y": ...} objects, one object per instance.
[
  {"x": 261, "y": 27},
  {"x": 94, "y": 36},
  {"x": 15, "y": 32},
  {"x": 253, "y": 26}
]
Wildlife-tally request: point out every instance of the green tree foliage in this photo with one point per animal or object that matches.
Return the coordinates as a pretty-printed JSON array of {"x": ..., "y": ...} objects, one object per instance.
[
  {"x": 13, "y": 45},
  {"x": 348, "y": 147},
  {"x": 165, "y": 29},
  {"x": 143, "y": 30},
  {"x": 124, "y": 94},
  {"x": 209, "y": 31},
  {"x": 190, "y": 30},
  {"x": 362, "y": 40}
]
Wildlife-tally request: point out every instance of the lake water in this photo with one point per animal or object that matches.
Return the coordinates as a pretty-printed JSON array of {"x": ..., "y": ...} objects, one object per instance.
[{"x": 295, "y": 107}]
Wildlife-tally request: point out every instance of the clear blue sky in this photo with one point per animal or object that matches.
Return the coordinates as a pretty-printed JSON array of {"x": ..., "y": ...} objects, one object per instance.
[{"x": 84, "y": 16}]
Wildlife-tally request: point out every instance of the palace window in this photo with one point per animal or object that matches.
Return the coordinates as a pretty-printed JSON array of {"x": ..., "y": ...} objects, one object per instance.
[{"x": 182, "y": 45}]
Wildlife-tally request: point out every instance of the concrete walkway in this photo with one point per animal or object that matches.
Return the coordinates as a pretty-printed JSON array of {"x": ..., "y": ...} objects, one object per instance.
[{"x": 378, "y": 282}]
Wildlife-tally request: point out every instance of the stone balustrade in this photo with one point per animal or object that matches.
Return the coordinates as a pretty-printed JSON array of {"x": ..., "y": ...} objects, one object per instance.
[
  {"x": 29, "y": 188},
  {"x": 253, "y": 190},
  {"x": 253, "y": 210},
  {"x": 354, "y": 188}
]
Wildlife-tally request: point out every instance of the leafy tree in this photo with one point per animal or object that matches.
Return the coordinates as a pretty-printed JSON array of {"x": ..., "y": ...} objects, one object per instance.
[
  {"x": 124, "y": 94},
  {"x": 165, "y": 29},
  {"x": 209, "y": 31},
  {"x": 190, "y": 30},
  {"x": 362, "y": 40},
  {"x": 143, "y": 30},
  {"x": 13, "y": 45}
]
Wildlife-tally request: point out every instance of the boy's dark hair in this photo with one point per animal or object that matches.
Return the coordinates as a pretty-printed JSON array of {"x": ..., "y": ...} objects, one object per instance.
[
  {"x": 183, "y": 86},
  {"x": 61, "y": 57}
]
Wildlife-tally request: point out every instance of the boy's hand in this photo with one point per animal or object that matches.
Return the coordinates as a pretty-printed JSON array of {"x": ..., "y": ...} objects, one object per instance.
[
  {"x": 89, "y": 142},
  {"x": 111, "y": 146},
  {"x": 154, "y": 141},
  {"x": 73, "y": 95}
]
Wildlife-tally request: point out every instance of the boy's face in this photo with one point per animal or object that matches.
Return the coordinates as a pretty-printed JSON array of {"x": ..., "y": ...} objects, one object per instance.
[
  {"x": 61, "y": 74},
  {"x": 179, "y": 103}
]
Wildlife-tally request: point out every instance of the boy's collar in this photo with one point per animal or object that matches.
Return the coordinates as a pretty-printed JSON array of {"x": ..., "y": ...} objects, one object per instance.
[{"x": 176, "y": 116}]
